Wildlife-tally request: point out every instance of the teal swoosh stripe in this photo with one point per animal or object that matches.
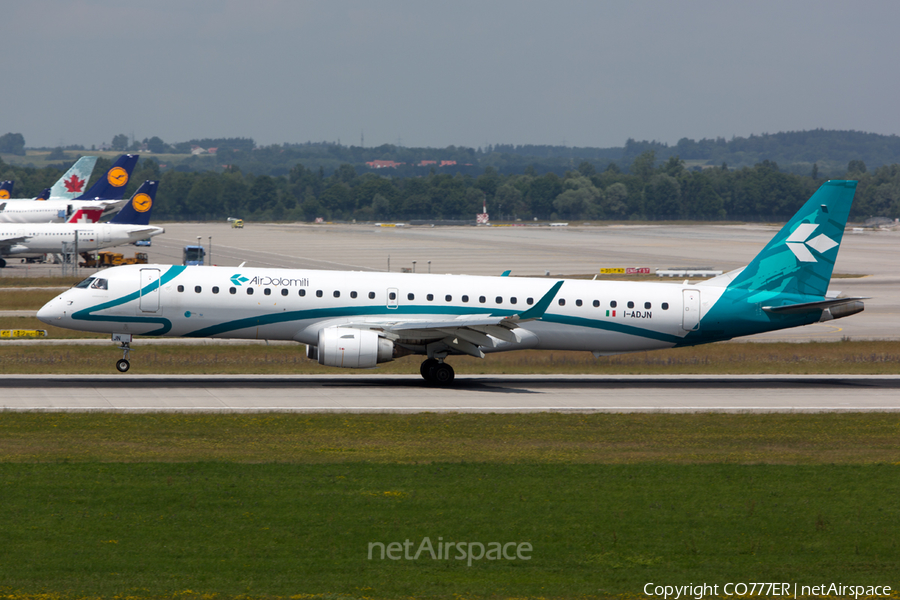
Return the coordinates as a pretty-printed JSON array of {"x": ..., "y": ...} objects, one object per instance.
[
  {"x": 333, "y": 313},
  {"x": 374, "y": 311},
  {"x": 615, "y": 326},
  {"x": 86, "y": 314}
]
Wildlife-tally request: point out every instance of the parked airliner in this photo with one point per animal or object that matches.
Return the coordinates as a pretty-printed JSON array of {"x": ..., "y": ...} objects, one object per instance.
[
  {"x": 357, "y": 320},
  {"x": 131, "y": 224},
  {"x": 106, "y": 195}
]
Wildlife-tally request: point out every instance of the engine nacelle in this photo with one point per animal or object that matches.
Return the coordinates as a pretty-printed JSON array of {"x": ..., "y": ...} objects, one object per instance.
[{"x": 352, "y": 348}]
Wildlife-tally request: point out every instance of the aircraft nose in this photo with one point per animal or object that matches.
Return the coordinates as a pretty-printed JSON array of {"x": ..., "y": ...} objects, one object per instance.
[{"x": 52, "y": 311}]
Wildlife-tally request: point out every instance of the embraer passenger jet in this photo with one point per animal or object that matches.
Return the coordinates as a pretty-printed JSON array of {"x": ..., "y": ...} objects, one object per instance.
[{"x": 357, "y": 320}]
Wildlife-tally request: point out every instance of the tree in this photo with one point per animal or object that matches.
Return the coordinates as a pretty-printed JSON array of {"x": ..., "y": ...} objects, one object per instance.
[
  {"x": 157, "y": 146},
  {"x": 857, "y": 167},
  {"x": 120, "y": 142},
  {"x": 57, "y": 154},
  {"x": 643, "y": 165},
  {"x": 12, "y": 143}
]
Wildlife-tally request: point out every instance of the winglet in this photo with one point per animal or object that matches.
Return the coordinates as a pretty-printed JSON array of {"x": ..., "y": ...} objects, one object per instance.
[
  {"x": 506, "y": 273},
  {"x": 537, "y": 311}
]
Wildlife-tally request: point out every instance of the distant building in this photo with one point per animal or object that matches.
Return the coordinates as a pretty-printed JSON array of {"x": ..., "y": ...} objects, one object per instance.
[
  {"x": 425, "y": 163},
  {"x": 448, "y": 163},
  {"x": 383, "y": 164}
]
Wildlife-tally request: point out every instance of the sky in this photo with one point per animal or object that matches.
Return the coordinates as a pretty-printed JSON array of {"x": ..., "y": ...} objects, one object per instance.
[{"x": 434, "y": 74}]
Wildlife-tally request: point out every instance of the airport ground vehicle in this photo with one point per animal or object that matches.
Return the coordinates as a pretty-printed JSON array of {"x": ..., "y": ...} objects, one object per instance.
[
  {"x": 193, "y": 256},
  {"x": 106, "y": 258}
]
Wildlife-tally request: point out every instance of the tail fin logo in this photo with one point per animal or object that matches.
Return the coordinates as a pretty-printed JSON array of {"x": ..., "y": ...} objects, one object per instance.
[
  {"x": 142, "y": 202},
  {"x": 74, "y": 184},
  {"x": 117, "y": 177},
  {"x": 4, "y": 194},
  {"x": 799, "y": 243}
]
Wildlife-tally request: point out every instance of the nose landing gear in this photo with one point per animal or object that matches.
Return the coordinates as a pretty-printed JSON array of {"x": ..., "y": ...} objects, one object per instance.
[
  {"x": 437, "y": 372},
  {"x": 123, "y": 365}
]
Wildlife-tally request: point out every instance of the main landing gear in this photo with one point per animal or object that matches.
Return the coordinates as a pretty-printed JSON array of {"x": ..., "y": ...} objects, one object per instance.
[
  {"x": 123, "y": 365},
  {"x": 437, "y": 372}
]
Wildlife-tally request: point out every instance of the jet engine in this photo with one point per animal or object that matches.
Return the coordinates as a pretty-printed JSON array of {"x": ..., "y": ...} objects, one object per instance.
[{"x": 352, "y": 348}]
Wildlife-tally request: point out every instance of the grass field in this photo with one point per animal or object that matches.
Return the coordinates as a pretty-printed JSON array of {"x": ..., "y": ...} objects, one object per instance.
[
  {"x": 846, "y": 357},
  {"x": 286, "y": 506}
]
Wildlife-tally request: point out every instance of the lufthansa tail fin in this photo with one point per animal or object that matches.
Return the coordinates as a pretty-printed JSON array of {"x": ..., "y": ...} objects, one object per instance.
[
  {"x": 799, "y": 260},
  {"x": 137, "y": 210},
  {"x": 112, "y": 185},
  {"x": 45, "y": 194},
  {"x": 6, "y": 188},
  {"x": 73, "y": 183}
]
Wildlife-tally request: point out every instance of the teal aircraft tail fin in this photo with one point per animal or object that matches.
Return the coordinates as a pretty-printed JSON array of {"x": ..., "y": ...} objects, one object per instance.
[{"x": 800, "y": 258}]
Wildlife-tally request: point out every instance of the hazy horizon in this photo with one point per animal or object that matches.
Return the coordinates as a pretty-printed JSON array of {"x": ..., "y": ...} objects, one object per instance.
[{"x": 577, "y": 73}]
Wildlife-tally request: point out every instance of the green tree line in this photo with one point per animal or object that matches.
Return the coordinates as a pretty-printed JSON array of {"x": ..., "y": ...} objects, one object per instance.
[{"x": 647, "y": 190}]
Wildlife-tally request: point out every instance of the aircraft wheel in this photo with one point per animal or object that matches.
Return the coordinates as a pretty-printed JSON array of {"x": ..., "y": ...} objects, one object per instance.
[
  {"x": 442, "y": 374},
  {"x": 427, "y": 369},
  {"x": 123, "y": 365},
  {"x": 2, "y": 263}
]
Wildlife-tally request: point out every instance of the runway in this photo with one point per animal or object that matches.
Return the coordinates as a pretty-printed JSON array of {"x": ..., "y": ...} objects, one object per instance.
[{"x": 473, "y": 394}]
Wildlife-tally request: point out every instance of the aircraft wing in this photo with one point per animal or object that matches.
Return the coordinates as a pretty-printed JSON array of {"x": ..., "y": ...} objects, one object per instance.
[
  {"x": 466, "y": 333},
  {"x": 13, "y": 240}
]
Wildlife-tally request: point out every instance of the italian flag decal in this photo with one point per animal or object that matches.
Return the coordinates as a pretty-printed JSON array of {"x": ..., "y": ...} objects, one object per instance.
[{"x": 610, "y": 315}]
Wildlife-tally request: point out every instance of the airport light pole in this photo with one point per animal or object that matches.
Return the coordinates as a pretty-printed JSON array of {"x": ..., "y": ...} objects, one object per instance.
[{"x": 414, "y": 266}]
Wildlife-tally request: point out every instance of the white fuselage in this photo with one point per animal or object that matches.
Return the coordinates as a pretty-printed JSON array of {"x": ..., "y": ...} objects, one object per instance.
[
  {"x": 284, "y": 304},
  {"x": 48, "y": 238},
  {"x": 51, "y": 211}
]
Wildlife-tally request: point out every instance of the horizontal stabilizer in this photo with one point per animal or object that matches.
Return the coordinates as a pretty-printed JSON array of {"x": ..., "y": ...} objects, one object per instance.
[{"x": 793, "y": 309}]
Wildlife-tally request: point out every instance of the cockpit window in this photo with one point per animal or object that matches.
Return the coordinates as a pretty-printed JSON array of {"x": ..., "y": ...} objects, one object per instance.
[
  {"x": 99, "y": 284},
  {"x": 85, "y": 283}
]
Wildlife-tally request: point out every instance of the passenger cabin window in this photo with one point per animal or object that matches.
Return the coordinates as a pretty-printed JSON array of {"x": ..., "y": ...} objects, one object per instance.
[
  {"x": 249, "y": 291},
  {"x": 302, "y": 293},
  {"x": 197, "y": 289},
  {"x": 215, "y": 289},
  {"x": 448, "y": 298},
  {"x": 630, "y": 304},
  {"x": 371, "y": 295},
  {"x": 429, "y": 297},
  {"x": 665, "y": 306},
  {"x": 353, "y": 294},
  {"x": 596, "y": 303},
  {"x": 647, "y": 305},
  {"x": 267, "y": 292},
  {"x": 284, "y": 291},
  {"x": 232, "y": 290},
  {"x": 513, "y": 300},
  {"x": 578, "y": 302},
  {"x": 529, "y": 301},
  {"x": 318, "y": 293},
  {"x": 613, "y": 304},
  {"x": 337, "y": 294},
  {"x": 562, "y": 301},
  {"x": 499, "y": 299},
  {"x": 392, "y": 295},
  {"x": 180, "y": 288},
  {"x": 410, "y": 296},
  {"x": 482, "y": 299},
  {"x": 465, "y": 298}
]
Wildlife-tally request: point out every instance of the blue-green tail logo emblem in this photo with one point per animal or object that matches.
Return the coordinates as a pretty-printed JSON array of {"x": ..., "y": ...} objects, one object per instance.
[{"x": 238, "y": 280}]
